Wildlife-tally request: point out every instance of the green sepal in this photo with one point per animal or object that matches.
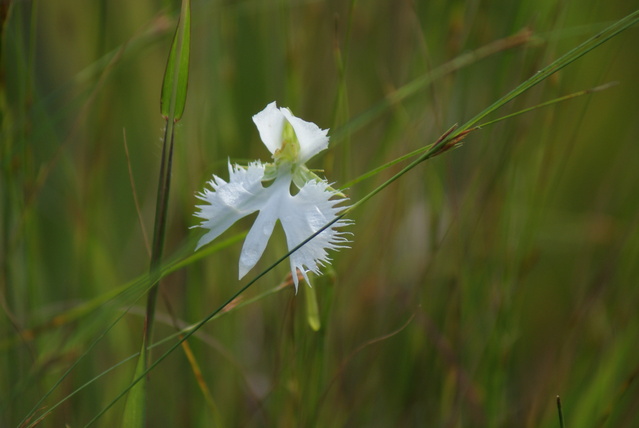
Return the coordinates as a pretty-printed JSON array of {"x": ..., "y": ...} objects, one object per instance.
[{"x": 302, "y": 175}]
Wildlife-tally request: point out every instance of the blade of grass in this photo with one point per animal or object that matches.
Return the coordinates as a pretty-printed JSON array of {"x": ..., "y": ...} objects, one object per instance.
[
  {"x": 421, "y": 150},
  {"x": 560, "y": 412},
  {"x": 456, "y": 135},
  {"x": 173, "y": 96},
  {"x": 411, "y": 88},
  {"x": 182, "y": 258},
  {"x": 172, "y": 102},
  {"x": 555, "y": 66},
  {"x": 550, "y": 102}
]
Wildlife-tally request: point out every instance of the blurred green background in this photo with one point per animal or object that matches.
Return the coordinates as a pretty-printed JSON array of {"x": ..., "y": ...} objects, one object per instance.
[{"x": 478, "y": 287}]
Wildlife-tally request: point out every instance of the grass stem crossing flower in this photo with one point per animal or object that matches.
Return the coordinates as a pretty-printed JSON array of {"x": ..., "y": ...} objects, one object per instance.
[{"x": 292, "y": 142}]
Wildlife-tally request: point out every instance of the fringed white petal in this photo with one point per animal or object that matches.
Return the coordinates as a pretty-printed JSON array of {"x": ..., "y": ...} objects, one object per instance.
[
  {"x": 228, "y": 202},
  {"x": 303, "y": 215}
]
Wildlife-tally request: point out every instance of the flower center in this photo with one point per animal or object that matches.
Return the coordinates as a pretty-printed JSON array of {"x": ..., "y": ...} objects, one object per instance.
[{"x": 289, "y": 152}]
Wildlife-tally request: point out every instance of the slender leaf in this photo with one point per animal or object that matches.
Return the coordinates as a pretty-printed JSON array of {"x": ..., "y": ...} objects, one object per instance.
[
  {"x": 176, "y": 75},
  {"x": 135, "y": 410}
]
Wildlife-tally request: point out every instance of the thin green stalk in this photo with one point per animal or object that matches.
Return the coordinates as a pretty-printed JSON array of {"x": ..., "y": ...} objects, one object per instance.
[
  {"x": 159, "y": 231},
  {"x": 452, "y": 137},
  {"x": 550, "y": 102},
  {"x": 560, "y": 412},
  {"x": 172, "y": 103},
  {"x": 416, "y": 85},
  {"x": 555, "y": 66},
  {"x": 424, "y": 149}
]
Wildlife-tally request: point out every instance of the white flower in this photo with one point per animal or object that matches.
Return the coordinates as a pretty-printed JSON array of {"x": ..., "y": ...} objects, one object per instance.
[{"x": 292, "y": 141}]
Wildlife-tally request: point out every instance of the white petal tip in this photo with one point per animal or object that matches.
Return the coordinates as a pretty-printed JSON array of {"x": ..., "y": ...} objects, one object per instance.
[
  {"x": 202, "y": 242},
  {"x": 243, "y": 271}
]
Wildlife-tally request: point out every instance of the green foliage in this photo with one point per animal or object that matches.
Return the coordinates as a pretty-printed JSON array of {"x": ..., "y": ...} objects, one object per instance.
[{"x": 479, "y": 285}]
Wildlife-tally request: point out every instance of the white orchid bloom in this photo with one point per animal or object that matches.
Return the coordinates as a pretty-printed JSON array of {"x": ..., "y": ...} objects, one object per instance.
[{"x": 292, "y": 141}]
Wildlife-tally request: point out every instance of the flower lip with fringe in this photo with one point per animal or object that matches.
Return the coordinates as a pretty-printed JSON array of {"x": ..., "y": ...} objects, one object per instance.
[{"x": 292, "y": 142}]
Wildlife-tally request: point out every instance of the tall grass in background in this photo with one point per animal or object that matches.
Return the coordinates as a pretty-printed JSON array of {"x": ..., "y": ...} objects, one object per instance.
[{"x": 479, "y": 286}]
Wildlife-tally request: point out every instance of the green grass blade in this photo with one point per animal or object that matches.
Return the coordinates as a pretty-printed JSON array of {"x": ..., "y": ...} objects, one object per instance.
[
  {"x": 413, "y": 87},
  {"x": 560, "y": 413},
  {"x": 122, "y": 295},
  {"x": 172, "y": 101},
  {"x": 373, "y": 172},
  {"x": 555, "y": 66},
  {"x": 176, "y": 75},
  {"x": 135, "y": 408},
  {"x": 549, "y": 103},
  {"x": 435, "y": 149},
  {"x": 452, "y": 137}
]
